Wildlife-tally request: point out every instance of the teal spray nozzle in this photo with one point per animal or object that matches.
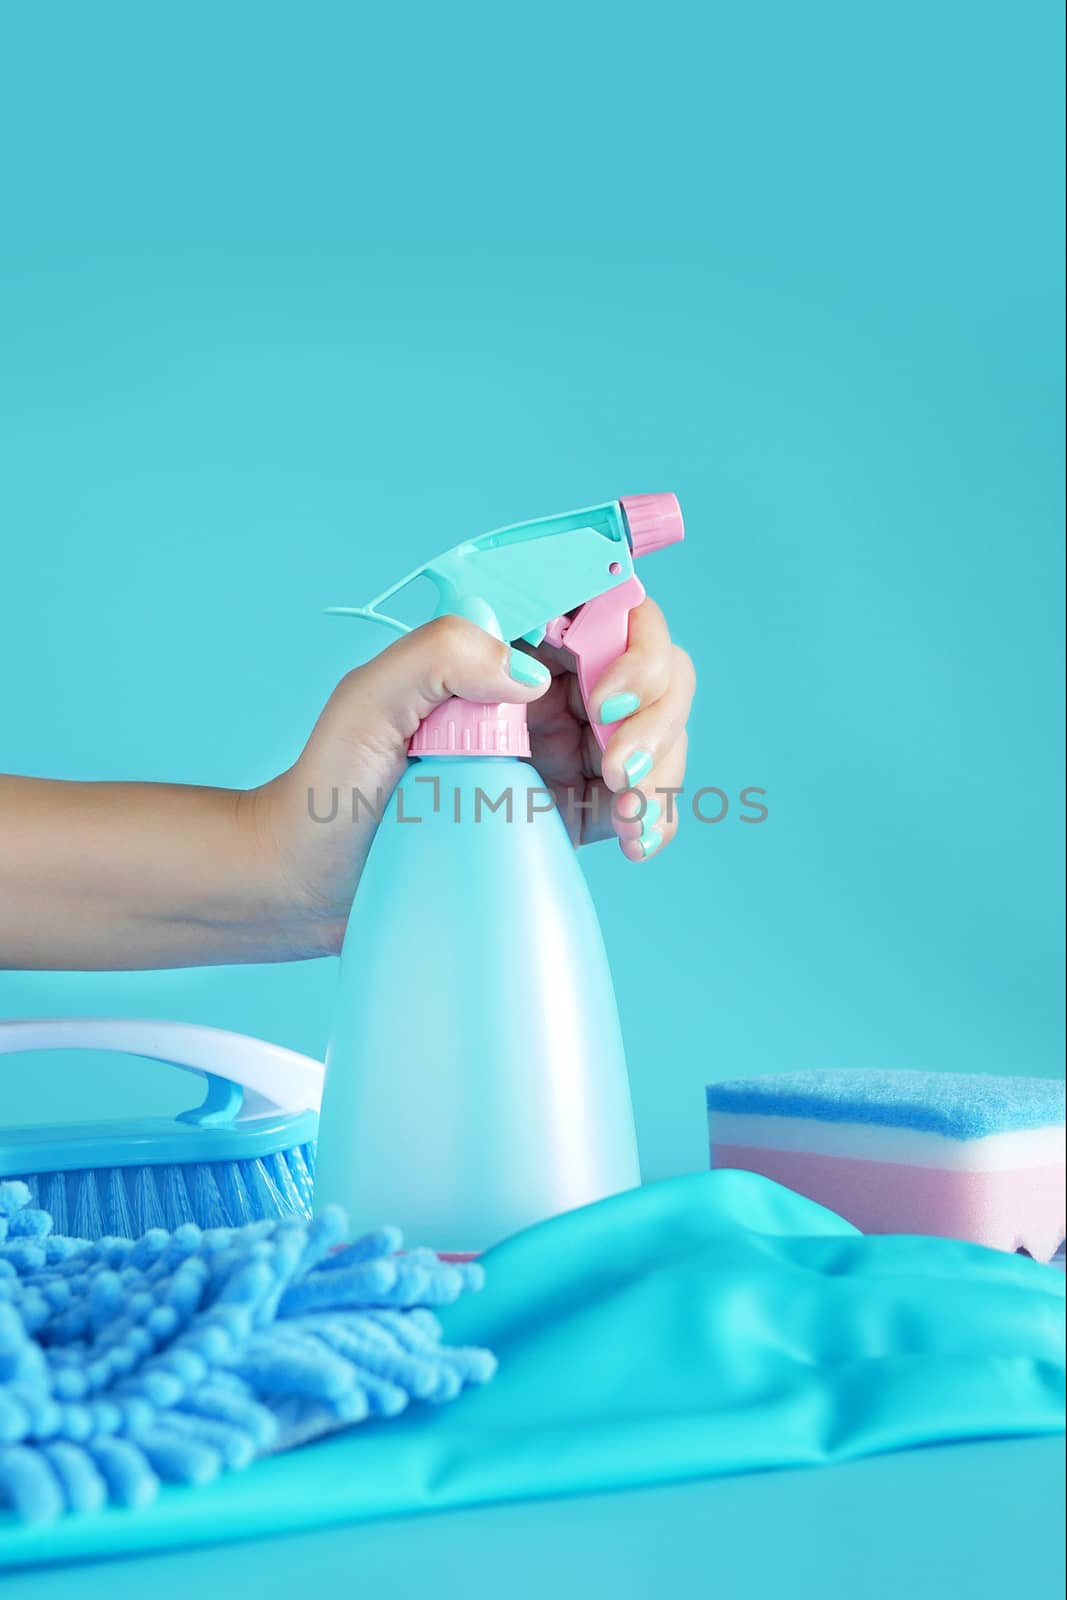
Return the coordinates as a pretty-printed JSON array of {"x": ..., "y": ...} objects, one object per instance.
[{"x": 567, "y": 578}]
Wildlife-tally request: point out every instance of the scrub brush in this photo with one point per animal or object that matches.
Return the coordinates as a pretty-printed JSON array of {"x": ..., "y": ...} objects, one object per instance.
[
  {"x": 247, "y": 1152},
  {"x": 185, "y": 1355}
]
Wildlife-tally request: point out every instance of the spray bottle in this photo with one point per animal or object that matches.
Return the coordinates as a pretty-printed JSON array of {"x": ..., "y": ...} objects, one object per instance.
[{"x": 475, "y": 1077}]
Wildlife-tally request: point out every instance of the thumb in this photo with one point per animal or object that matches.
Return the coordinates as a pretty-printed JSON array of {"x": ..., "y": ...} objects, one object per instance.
[{"x": 449, "y": 656}]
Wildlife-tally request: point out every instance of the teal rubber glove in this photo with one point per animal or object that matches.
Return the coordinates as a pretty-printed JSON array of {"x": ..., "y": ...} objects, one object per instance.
[{"x": 704, "y": 1325}]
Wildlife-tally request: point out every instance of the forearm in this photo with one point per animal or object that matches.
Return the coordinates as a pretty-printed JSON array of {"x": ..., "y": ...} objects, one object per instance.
[{"x": 128, "y": 875}]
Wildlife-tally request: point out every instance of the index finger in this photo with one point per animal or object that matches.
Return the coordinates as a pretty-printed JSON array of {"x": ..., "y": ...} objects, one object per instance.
[{"x": 641, "y": 675}]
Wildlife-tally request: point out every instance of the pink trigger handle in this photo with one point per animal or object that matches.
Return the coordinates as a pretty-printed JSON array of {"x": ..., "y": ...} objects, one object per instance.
[{"x": 596, "y": 636}]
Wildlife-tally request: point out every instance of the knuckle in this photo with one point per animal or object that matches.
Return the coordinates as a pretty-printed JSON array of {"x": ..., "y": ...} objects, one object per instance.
[
  {"x": 454, "y": 637},
  {"x": 347, "y": 692},
  {"x": 656, "y": 676},
  {"x": 351, "y": 681},
  {"x": 684, "y": 668}
]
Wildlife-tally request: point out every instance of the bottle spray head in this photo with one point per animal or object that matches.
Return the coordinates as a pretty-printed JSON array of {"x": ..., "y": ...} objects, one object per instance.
[{"x": 568, "y": 579}]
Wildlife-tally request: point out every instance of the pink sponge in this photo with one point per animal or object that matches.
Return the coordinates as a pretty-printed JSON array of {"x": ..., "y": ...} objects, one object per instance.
[{"x": 961, "y": 1155}]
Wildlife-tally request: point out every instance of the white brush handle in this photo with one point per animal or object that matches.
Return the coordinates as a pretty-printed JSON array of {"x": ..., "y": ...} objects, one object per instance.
[{"x": 278, "y": 1078}]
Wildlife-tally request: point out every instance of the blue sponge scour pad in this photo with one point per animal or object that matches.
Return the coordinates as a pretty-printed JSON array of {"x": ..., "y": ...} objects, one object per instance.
[{"x": 959, "y": 1105}]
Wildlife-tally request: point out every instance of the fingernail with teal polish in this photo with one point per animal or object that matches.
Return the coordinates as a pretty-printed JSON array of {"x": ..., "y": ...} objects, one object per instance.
[
  {"x": 617, "y": 706},
  {"x": 650, "y": 842},
  {"x": 651, "y": 815},
  {"x": 636, "y": 765},
  {"x": 528, "y": 670}
]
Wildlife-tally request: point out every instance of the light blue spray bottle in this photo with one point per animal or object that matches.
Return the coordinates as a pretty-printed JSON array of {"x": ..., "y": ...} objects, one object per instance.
[{"x": 475, "y": 1077}]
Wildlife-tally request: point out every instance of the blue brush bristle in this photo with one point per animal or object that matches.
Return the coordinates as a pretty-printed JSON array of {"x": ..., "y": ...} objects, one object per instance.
[
  {"x": 189, "y": 1352},
  {"x": 960, "y": 1105},
  {"x": 128, "y": 1201}
]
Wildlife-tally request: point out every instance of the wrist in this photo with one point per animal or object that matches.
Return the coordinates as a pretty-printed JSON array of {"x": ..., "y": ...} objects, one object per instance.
[{"x": 308, "y": 924}]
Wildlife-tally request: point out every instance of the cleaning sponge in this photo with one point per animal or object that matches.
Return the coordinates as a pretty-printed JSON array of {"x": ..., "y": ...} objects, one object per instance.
[{"x": 961, "y": 1155}]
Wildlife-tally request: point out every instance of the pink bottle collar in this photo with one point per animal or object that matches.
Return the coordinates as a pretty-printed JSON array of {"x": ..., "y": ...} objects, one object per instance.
[{"x": 465, "y": 728}]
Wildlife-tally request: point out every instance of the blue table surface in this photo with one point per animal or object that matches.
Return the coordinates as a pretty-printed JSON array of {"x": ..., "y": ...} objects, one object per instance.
[{"x": 969, "y": 1521}]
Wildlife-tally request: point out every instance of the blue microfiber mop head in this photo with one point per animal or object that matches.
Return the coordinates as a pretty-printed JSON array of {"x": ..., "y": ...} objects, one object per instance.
[{"x": 183, "y": 1355}]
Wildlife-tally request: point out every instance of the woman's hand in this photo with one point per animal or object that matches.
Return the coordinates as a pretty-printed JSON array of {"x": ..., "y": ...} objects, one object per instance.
[
  {"x": 360, "y": 742},
  {"x": 645, "y": 695},
  {"x": 120, "y": 875}
]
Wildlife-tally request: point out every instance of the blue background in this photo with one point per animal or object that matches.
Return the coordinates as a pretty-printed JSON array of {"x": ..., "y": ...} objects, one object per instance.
[{"x": 292, "y": 297}]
